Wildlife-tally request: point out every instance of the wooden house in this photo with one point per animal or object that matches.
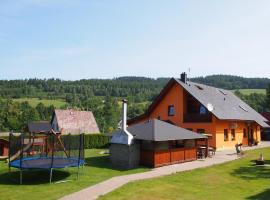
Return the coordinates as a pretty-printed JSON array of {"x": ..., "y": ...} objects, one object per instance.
[
  {"x": 73, "y": 121},
  {"x": 152, "y": 143},
  {"x": 205, "y": 109},
  {"x": 162, "y": 143},
  {"x": 4, "y": 147}
]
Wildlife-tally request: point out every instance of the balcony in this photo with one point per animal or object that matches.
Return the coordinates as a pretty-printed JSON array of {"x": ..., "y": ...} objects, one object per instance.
[{"x": 198, "y": 117}]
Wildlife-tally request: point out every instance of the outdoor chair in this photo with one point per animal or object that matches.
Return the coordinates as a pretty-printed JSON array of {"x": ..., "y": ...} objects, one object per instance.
[{"x": 211, "y": 151}]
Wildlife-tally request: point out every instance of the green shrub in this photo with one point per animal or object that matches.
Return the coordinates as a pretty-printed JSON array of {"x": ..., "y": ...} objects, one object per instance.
[{"x": 95, "y": 141}]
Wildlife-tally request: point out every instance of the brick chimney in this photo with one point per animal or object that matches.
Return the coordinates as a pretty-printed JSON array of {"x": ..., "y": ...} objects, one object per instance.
[{"x": 184, "y": 77}]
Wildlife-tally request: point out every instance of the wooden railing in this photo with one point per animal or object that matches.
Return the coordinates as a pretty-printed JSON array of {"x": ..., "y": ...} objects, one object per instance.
[{"x": 197, "y": 118}]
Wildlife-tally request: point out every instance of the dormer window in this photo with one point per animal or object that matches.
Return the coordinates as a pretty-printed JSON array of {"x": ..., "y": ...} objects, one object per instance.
[
  {"x": 199, "y": 87},
  {"x": 171, "y": 111}
]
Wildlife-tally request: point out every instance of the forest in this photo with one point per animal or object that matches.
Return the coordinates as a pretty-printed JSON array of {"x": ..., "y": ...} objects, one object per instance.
[{"x": 102, "y": 96}]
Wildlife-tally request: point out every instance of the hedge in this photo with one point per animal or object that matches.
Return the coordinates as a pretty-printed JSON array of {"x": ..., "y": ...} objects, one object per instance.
[
  {"x": 91, "y": 141},
  {"x": 95, "y": 141}
]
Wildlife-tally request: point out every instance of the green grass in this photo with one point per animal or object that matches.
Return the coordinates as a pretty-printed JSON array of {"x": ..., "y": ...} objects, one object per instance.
[
  {"x": 47, "y": 102},
  {"x": 36, "y": 186},
  {"x": 235, "y": 180},
  {"x": 250, "y": 91}
]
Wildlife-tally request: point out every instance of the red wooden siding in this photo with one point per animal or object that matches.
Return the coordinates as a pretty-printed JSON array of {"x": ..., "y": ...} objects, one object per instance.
[
  {"x": 190, "y": 154},
  {"x": 162, "y": 158},
  {"x": 167, "y": 157},
  {"x": 177, "y": 155}
]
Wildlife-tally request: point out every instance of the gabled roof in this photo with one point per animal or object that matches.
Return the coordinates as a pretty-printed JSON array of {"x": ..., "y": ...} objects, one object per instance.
[
  {"x": 39, "y": 127},
  {"x": 156, "y": 130},
  {"x": 222, "y": 103},
  {"x": 73, "y": 121}
]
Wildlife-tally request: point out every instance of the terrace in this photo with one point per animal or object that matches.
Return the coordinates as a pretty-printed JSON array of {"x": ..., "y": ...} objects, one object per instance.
[{"x": 195, "y": 111}]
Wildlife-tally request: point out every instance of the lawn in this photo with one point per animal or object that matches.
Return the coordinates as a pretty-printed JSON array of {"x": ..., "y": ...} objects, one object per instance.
[
  {"x": 250, "y": 91},
  {"x": 47, "y": 102},
  {"x": 36, "y": 186},
  {"x": 234, "y": 180}
]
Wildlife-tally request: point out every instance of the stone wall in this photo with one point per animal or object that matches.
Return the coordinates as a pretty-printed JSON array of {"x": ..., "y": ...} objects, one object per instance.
[{"x": 124, "y": 156}]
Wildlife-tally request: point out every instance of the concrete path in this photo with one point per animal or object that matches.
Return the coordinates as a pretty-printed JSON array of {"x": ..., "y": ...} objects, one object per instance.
[{"x": 93, "y": 192}]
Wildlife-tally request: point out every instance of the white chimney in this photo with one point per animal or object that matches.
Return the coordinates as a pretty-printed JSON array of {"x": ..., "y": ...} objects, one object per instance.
[
  {"x": 124, "y": 114},
  {"x": 123, "y": 136}
]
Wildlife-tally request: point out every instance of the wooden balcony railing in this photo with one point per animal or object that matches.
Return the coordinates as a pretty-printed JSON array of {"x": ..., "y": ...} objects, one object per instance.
[{"x": 197, "y": 118}]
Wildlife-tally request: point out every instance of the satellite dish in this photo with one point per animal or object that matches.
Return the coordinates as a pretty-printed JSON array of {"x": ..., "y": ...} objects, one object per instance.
[{"x": 210, "y": 107}]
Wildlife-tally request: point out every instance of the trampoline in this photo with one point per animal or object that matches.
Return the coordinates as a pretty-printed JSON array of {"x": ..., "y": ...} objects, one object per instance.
[
  {"x": 45, "y": 151},
  {"x": 46, "y": 163}
]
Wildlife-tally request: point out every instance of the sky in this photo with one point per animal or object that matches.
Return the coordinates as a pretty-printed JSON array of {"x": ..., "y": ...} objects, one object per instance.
[{"x": 81, "y": 39}]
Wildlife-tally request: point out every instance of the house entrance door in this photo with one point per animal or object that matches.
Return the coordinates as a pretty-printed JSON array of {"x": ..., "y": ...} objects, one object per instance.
[{"x": 250, "y": 136}]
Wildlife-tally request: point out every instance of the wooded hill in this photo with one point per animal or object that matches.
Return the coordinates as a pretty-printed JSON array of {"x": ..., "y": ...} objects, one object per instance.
[
  {"x": 139, "y": 88},
  {"x": 102, "y": 96}
]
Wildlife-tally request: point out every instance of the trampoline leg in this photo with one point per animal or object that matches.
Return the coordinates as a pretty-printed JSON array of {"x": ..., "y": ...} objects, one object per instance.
[
  {"x": 51, "y": 172},
  {"x": 20, "y": 177},
  {"x": 78, "y": 172},
  {"x": 83, "y": 168}
]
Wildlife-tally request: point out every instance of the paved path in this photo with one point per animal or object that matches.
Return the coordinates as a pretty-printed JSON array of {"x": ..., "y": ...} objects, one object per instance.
[{"x": 93, "y": 192}]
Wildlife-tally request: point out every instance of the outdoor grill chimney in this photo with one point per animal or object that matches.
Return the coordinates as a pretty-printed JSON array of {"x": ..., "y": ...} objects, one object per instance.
[
  {"x": 124, "y": 114},
  {"x": 123, "y": 136},
  {"x": 184, "y": 77}
]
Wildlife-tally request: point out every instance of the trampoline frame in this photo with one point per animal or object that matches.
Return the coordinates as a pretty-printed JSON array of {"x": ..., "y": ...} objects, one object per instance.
[{"x": 18, "y": 163}]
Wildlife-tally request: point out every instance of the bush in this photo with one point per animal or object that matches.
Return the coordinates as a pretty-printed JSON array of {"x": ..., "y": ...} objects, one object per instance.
[{"x": 95, "y": 141}]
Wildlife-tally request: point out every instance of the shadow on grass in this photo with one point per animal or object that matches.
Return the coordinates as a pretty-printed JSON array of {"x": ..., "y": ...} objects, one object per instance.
[
  {"x": 253, "y": 171},
  {"x": 105, "y": 163},
  {"x": 102, "y": 162},
  {"x": 32, "y": 177},
  {"x": 261, "y": 196}
]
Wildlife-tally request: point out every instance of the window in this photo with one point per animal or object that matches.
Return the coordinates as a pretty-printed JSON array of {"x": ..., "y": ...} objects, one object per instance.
[
  {"x": 243, "y": 108},
  {"x": 202, "y": 110},
  {"x": 245, "y": 133},
  {"x": 171, "y": 110},
  {"x": 201, "y": 131},
  {"x": 226, "y": 135},
  {"x": 199, "y": 87},
  {"x": 233, "y": 134},
  {"x": 223, "y": 92}
]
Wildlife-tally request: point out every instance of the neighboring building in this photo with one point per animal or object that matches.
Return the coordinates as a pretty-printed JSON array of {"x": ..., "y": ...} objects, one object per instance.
[
  {"x": 153, "y": 143},
  {"x": 73, "y": 121},
  {"x": 266, "y": 131},
  {"x": 4, "y": 147},
  {"x": 204, "y": 109}
]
